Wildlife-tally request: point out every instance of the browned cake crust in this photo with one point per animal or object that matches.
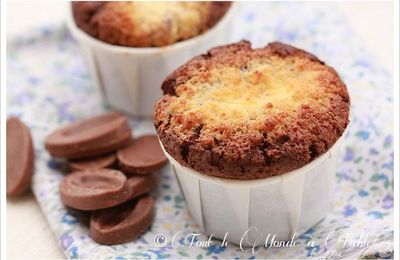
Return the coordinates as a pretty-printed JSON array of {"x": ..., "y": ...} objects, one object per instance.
[
  {"x": 244, "y": 113},
  {"x": 147, "y": 24}
]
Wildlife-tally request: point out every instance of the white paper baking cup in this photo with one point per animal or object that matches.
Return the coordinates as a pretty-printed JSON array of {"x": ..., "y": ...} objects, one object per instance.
[
  {"x": 130, "y": 78},
  {"x": 250, "y": 210}
]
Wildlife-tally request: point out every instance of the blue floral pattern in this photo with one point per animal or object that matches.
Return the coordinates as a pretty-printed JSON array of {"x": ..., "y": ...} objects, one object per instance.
[{"x": 48, "y": 85}]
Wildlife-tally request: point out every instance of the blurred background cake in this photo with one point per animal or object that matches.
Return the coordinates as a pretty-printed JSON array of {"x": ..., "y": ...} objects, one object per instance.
[{"x": 147, "y": 24}]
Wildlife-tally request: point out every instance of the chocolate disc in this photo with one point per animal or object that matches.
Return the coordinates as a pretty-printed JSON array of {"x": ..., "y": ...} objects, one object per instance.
[
  {"x": 141, "y": 185},
  {"x": 94, "y": 189},
  {"x": 90, "y": 137},
  {"x": 95, "y": 163},
  {"x": 142, "y": 156},
  {"x": 122, "y": 223},
  {"x": 19, "y": 157}
]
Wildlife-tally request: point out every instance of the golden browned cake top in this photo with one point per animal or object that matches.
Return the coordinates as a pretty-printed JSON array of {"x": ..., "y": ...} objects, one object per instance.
[
  {"x": 244, "y": 113},
  {"x": 147, "y": 24}
]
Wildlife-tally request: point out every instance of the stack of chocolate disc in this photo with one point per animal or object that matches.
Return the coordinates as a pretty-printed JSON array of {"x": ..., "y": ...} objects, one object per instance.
[{"x": 111, "y": 175}]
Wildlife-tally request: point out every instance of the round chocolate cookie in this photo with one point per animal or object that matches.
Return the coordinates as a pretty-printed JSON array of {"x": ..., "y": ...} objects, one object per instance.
[
  {"x": 94, "y": 189},
  {"x": 243, "y": 113},
  {"x": 142, "y": 156},
  {"x": 20, "y": 157},
  {"x": 122, "y": 223},
  {"x": 90, "y": 137}
]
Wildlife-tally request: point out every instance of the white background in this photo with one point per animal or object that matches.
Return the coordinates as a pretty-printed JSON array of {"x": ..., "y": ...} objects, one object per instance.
[{"x": 28, "y": 235}]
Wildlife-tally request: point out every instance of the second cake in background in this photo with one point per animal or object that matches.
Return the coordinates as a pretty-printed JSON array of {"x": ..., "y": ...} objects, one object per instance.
[
  {"x": 147, "y": 24},
  {"x": 130, "y": 47}
]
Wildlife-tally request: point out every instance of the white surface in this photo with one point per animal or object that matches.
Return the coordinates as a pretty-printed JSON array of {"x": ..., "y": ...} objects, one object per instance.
[{"x": 28, "y": 235}]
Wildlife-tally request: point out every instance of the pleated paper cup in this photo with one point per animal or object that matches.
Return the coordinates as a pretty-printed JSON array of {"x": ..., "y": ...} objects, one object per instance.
[
  {"x": 129, "y": 78},
  {"x": 249, "y": 212}
]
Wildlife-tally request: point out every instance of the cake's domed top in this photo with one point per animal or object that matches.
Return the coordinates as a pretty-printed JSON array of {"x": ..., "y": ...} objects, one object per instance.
[{"x": 238, "y": 112}]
